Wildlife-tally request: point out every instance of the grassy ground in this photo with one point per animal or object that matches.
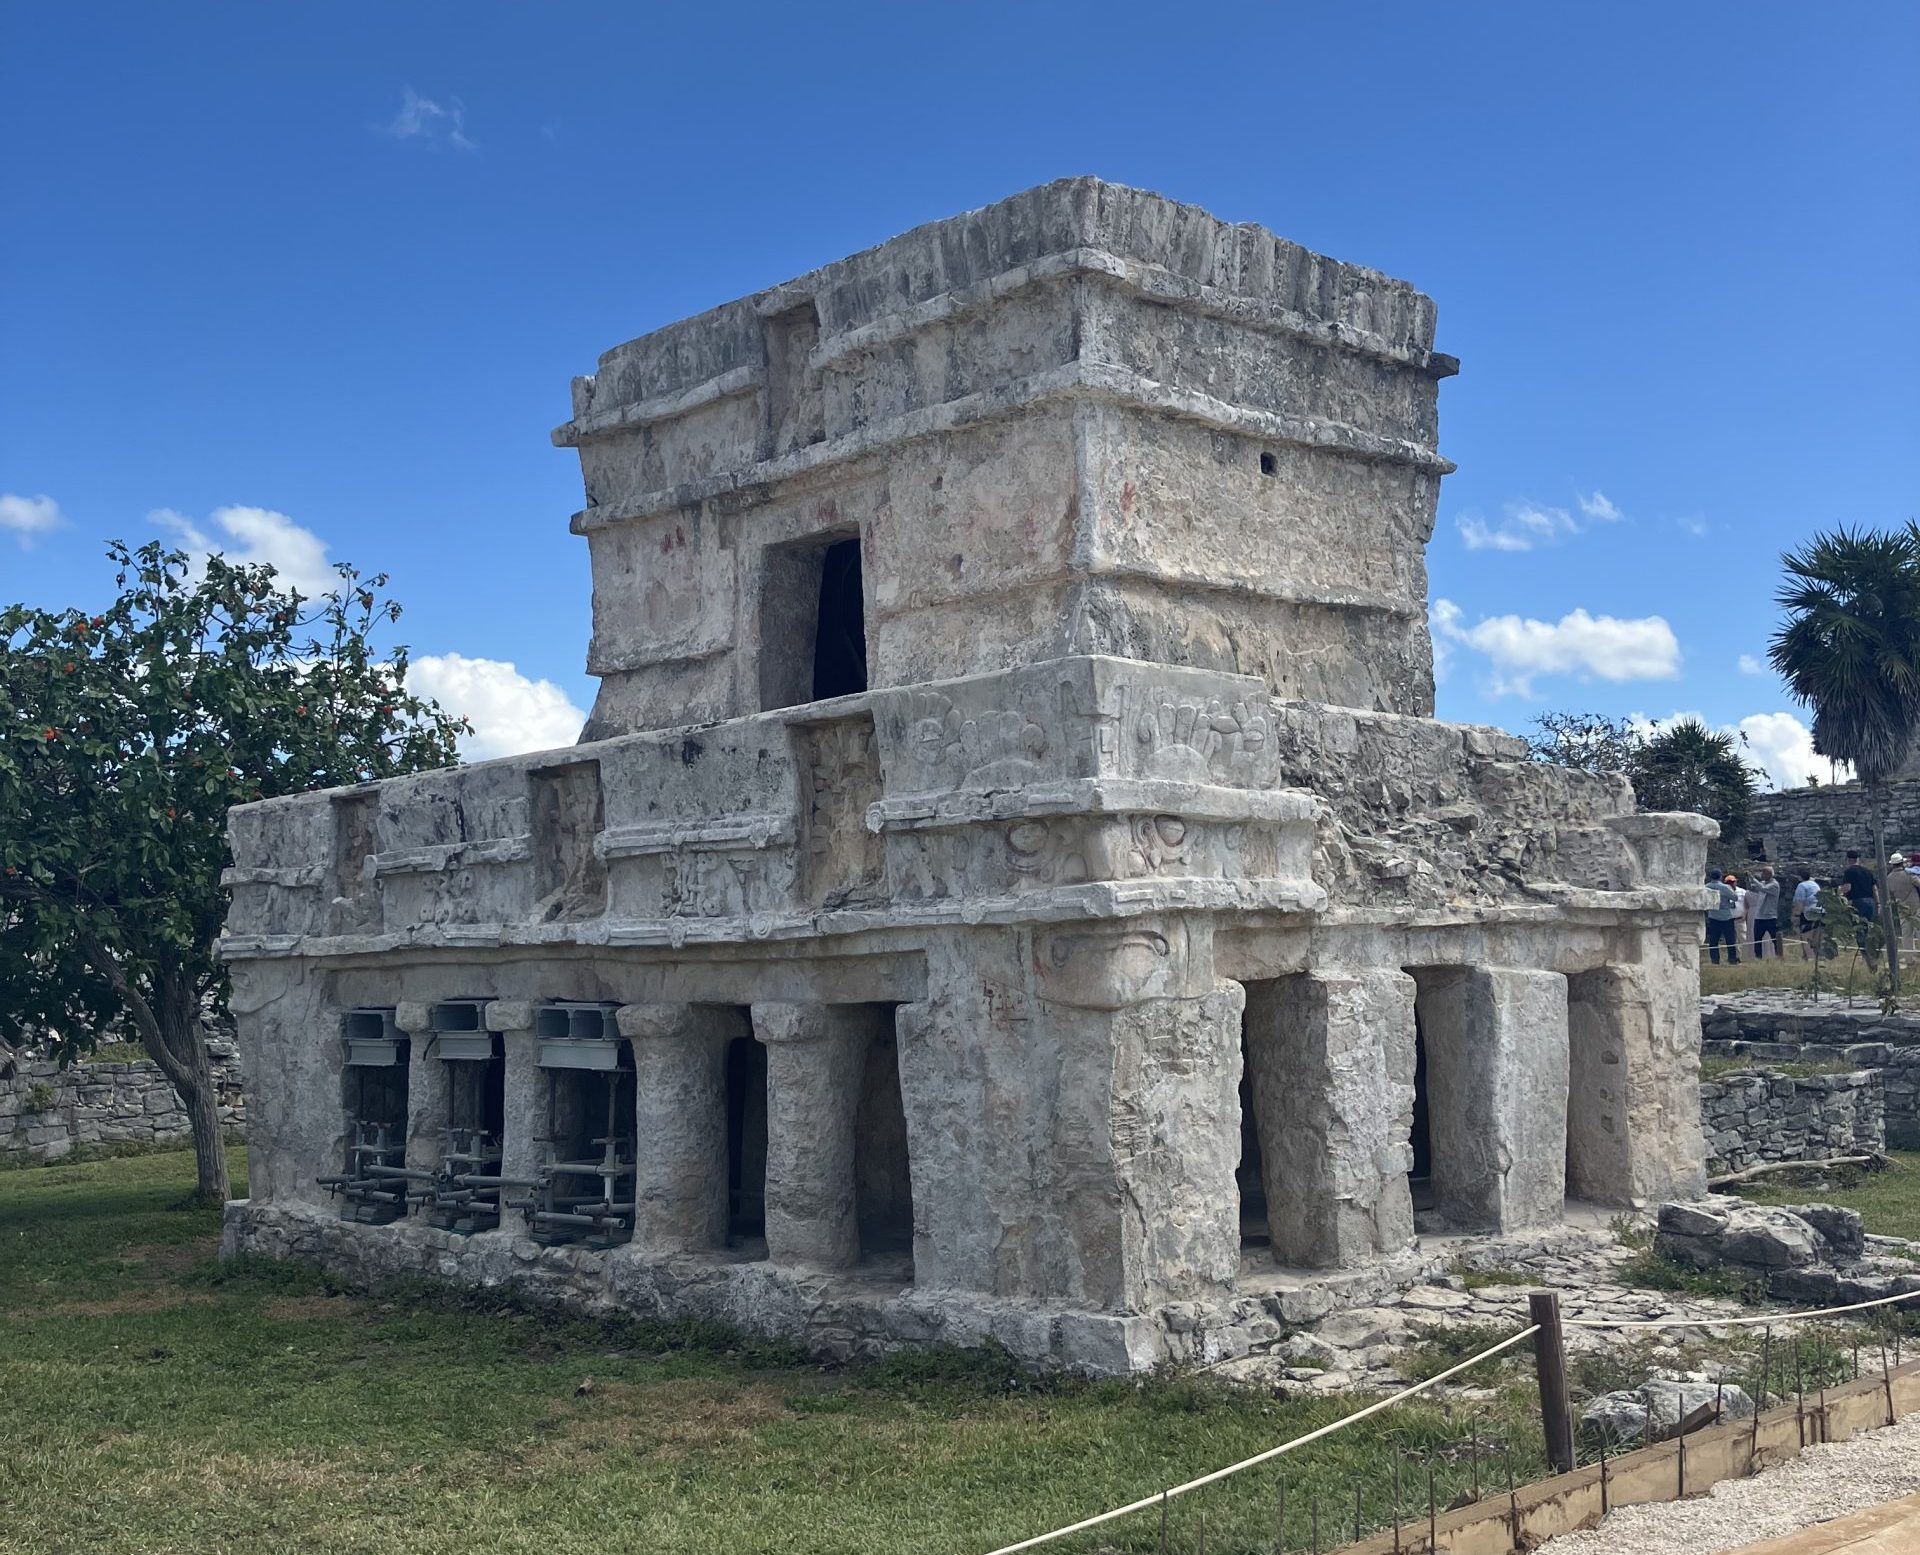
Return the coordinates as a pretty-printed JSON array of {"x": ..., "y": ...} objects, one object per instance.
[
  {"x": 1888, "y": 1201},
  {"x": 1847, "y": 972},
  {"x": 153, "y": 1402}
]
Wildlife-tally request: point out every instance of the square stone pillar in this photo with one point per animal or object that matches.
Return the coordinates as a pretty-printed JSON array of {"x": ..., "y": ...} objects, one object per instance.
[
  {"x": 816, "y": 1054},
  {"x": 1332, "y": 1058},
  {"x": 525, "y": 1094},
  {"x": 680, "y": 1134},
  {"x": 1496, "y": 1042},
  {"x": 1633, "y": 1100},
  {"x": 426, "y": 1086}
]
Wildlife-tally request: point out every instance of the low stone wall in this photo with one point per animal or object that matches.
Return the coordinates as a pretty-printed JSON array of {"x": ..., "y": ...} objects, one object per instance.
[
  {"x": 1771, "y": 1025},
  {"x": 47, "y": 1112},
  {"x": 1760, "y": 1114}
]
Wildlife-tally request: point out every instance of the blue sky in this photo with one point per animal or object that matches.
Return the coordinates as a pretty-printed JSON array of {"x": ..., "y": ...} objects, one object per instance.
[{"x": 309, "y": 281}]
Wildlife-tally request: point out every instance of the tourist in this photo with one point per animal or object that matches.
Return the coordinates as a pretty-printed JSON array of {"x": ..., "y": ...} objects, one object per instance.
[
  {"x": 1810, "y": 917},
  {"x": 1903, "y": 898},
  {"x": 1750, "y": 895},
  {"x": 1720, "y": 919},
  {"x": 1858, "y": 886},
  {"x": 1763, "y": 900}
]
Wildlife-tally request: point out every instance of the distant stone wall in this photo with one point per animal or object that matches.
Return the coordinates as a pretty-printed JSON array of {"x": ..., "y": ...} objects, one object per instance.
[
  {"x": 47, "y": 1112},
  {"x": 1757, "y": 1115},
  {"x": 1771, "y": 1025},
  {"x": 1811, "y": 829}
]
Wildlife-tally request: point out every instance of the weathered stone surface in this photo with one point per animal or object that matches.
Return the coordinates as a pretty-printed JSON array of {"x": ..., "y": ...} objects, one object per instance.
[
  {"x": 46, "y": 1111},
  {"x": 1014, "y": 710},
  {"x": 1623, "y": 1417}
]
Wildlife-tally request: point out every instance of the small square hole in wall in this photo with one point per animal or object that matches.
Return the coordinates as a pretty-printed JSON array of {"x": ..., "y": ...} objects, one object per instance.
[{"x": 1269, "y": 464}]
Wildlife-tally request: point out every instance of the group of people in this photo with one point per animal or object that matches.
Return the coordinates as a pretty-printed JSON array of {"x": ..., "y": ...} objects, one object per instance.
[{"x": 1746, "y": 913}]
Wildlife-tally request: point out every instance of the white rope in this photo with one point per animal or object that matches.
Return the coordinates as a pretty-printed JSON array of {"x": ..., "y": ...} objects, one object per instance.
[
  {"x": 1272, "y": 1452},
  {"x": 1734, "y": 1322}
]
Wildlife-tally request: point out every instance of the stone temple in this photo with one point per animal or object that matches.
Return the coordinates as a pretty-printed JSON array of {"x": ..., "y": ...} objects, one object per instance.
[{"x": 1012, "y": 886}]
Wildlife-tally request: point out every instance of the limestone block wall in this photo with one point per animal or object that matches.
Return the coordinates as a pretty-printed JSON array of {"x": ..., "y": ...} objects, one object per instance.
[
  {"x": 1773, "y": 1025},
  {"x": 46, "y": 1112},
  {"x": 1765, "y": 1115},
  {"x": 1812, "y": 828},
  {"x": 1086, "y": 419}
]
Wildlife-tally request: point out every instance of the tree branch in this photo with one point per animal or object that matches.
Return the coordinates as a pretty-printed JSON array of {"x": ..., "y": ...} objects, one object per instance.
[{"x": 152, "y": 1036}]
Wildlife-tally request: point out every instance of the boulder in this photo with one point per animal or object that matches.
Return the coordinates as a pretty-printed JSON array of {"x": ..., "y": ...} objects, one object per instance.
[
  {"x": 1621, "y": 1418},
  {"x": 1839, "y": 1228},
  {"x": 1692, "y": 1219}
]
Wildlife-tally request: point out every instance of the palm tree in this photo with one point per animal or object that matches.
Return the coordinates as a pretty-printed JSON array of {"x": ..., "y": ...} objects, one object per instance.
[{"x": 1850, "y": 650}]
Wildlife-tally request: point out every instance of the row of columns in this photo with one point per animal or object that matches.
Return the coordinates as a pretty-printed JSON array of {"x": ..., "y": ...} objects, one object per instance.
[
  {"x": 1538, "y": 1086},
  {"x": 816, "y": 1057}
]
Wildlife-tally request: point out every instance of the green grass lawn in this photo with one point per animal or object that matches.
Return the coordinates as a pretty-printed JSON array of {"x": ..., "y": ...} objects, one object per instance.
[
  {"x": 151, "y": 1401},
  {"x": 1888, "y": 1200}
]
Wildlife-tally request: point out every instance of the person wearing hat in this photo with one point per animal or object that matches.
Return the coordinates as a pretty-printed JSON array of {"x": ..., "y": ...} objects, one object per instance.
[
  {"x": 1903, "y": 891},
  {"x": 1763, "y": 901},
  {"x": 1721, "y": 914}
]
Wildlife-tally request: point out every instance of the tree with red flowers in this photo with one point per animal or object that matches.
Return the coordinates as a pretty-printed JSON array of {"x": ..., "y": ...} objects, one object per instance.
[{"x": 124, "y": 738}]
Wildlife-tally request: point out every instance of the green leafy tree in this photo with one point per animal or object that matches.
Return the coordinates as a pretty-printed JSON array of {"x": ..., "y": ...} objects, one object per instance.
[
  {"x": 124, "y": 737},
  {"x": 1688, "y": 766},
  {"x": 1685, "y": 767},
  {"x": 1850, "y": 650}
]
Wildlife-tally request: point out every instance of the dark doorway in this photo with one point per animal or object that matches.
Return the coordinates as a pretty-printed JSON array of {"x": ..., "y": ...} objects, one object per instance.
[
  {"x": 746, "y": 1140},
  {"x": 1420, "y": 1176},
  {"x": 1250, "y": 1174},
  {"x": 840, "y": 638},
  {"x": 883, "y": 1186}
]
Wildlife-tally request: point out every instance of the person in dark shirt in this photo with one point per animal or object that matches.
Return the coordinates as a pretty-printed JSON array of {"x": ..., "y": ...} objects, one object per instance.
[{"x": 1857, "y": 886}]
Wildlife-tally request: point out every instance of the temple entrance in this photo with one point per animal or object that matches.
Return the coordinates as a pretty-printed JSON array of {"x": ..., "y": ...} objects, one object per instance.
[
  {"x": 746, "y": 1141},
  {"x": 840, "y": 635},
  {"x": 883, "y": 1185},
  {"x": 1250, "y": 1175},
  {"x": 1420, "y": 1174}
]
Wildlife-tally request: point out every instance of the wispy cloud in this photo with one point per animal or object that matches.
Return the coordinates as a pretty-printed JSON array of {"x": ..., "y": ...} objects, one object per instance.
[
  {"x": 1779, "y": 744},
  {"x": 1694, "y": 525},
  {"x": 259, "y": 535},
  {"x": 1526, "y": 526},
  {"x": 1586, "y": 646},
  {"x": 27, "y": 518},
  {"x": 1749, "y": 665},
  {"x": 431, "y": 123}
]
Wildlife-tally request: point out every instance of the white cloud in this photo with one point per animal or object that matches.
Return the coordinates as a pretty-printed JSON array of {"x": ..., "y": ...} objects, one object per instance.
[
  {"x": 27, "y": 517},
  {"x": 1587, "y": 646},
  {"x": 1749, "y": 665},
  {"x": 1779, "y": 744},
  {"x": 1523, "y": 526},
  {"x": 259, "y": 535},
  {"x": 510, "y": 714},
  {"x": 1694, "y": 525},
  {"x": 433, "y": 124}
]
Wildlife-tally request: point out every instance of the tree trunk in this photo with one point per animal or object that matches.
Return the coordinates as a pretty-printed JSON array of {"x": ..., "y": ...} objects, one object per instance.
[
  {"x": 1889, "y": 914},
  {"x": 177, "y": 1015}
]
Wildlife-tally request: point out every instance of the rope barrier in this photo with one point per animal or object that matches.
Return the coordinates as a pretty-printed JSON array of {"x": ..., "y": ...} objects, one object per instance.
[
  {"x": 1734, "y": 1322},
  {"x": 1160, "y": 1497}
]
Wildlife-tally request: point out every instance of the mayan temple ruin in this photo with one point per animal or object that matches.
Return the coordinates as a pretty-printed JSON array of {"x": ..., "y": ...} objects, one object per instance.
[{"x": 1012, "y": 886}]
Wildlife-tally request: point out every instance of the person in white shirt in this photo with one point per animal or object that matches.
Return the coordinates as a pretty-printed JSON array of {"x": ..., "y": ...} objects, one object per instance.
[
  {"x": 1809, "y": 917},
  {"x": 1764, "y": 903}
]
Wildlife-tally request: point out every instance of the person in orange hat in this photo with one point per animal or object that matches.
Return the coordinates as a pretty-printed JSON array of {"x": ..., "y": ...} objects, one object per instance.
[{"x": 1721, "y": 916}]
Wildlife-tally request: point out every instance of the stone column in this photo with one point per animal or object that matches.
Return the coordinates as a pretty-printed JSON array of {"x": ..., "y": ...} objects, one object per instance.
[
  {"x": 525, "y": 1110},
  {"x": 680, "y": 1133},
  {"x": 815, "y": 1055},
  {"x": 1496, "y": 1041},
  {"x": 1633, "y": 1106},
  {"x": 426, "y": 1086},
  {"x": 1332, "y": 1057}
]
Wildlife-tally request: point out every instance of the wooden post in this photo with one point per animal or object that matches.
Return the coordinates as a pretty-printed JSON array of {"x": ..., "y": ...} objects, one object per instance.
[{"x": 1550, "y": 1364}]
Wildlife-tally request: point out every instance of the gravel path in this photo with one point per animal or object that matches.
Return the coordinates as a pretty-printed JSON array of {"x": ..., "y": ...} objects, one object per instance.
[{"x": 1821, "y": 1484}]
